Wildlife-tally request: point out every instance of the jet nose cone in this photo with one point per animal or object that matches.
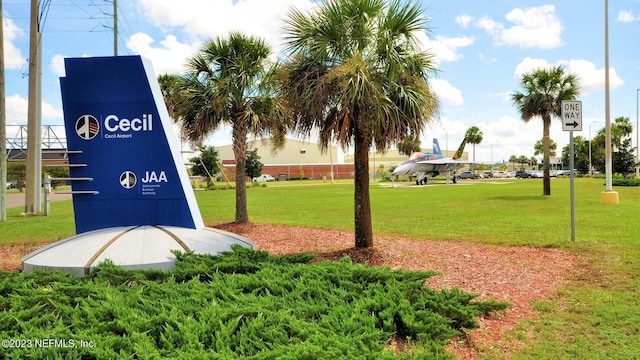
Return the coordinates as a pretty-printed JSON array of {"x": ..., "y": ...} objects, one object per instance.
[{"x": 401, "y": 169}]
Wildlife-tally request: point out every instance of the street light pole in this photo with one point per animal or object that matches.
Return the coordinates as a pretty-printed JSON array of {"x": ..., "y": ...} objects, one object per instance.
[
  {"x": 637, "y": 132},
  {"x": 590, "y": 167},
  {"x": 3, "y": 129},
  {"x": 608, "y": 196},
  {"x": 491, "y": 158},
  {"x": 446, "y": 143}
]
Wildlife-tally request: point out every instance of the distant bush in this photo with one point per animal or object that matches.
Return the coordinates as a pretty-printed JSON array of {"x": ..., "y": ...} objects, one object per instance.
[
  {"x": 619, "y": 181},
  {"x": 239, "y": 304},
  {"x": 223, "y": 186}
]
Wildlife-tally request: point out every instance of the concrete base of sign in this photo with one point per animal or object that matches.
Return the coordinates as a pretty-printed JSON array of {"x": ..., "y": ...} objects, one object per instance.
[
  {"x": 609, "y": 197},
  {"x": 132, "y": 247}
]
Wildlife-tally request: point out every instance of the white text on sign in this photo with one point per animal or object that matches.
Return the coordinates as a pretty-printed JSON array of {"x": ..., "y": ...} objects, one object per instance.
[{"x": 571, "y": 115}]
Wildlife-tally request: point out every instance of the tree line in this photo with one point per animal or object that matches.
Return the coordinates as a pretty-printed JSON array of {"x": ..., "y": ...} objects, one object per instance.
[{"x": 589, "y": 155}]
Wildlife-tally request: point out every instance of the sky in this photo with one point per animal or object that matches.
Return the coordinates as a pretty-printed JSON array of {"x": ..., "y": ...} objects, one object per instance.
[{"x": 481, "y": 47}]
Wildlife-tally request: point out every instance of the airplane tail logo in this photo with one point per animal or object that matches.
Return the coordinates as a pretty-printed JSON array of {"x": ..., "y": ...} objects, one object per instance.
[
  {"x": 460, "y": 150},
  {"x": 436, "y": 147},
  {"x": 87, "y": 127}
]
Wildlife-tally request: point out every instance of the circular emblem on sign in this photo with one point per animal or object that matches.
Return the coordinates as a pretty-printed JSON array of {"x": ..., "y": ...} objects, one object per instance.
[
  {"x": 87, "y": 127},
  {"x": 128, "y": 179}
]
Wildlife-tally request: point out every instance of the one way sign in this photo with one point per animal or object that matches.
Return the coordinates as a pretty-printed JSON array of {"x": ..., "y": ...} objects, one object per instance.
[{"x": 571, "y": 114}]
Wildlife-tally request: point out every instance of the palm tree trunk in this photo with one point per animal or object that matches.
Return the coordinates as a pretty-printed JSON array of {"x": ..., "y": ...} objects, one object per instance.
[
  {"x": 362, "y": 202},
  {"x": 546, "y": 181},
  {"x": 240, "y": 154}
]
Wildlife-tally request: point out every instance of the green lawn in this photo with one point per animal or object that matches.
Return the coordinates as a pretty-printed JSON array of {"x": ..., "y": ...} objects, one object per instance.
[
  {"x": 505, "y": 212},
  {"x": 596, "y": 316}
]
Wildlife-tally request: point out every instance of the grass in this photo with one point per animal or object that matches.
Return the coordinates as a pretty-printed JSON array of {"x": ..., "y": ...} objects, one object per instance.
[
  {"x": 595, "y": 316},
  {"x": 498, "y": 212}
]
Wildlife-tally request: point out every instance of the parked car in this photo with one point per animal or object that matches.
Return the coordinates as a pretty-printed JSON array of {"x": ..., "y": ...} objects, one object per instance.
[
  {"x": 523, "y": 174},
  {"x": 537, "y": 174},
  {"x": 568, "y": 172},
  {"x": 466, "y": 175},
  {"x": 11, "y": 185},
  {"x": 264, "y": 178}
]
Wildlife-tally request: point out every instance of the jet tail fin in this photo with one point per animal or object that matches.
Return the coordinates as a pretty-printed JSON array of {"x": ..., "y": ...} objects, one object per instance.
[
  {"x": 123, "y": 140},
  {"x": 436, "y": 147},
  {"x": 458, "y": 153}
]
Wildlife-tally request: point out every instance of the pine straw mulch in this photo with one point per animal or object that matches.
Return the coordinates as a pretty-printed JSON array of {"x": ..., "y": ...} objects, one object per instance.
[{"x": 518, "y": 275}]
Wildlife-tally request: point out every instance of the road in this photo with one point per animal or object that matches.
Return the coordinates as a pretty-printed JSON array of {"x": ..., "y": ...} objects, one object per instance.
[{"x": 17, "y": 199}]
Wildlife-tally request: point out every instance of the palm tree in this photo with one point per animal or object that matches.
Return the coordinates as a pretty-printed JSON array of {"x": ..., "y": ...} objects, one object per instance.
[
  {"x": 513, "y": 160},
  {"x": 408, "y": 145},
  {"x": 538, "y": 148},
  {"x": 230, "y": 82},
  {"x": 620, "y": 129},
  {"x": 533, "y": 162},
  {"x": 523, "y": 160},
  {"x": 474, "y": 136},
  {"x": 169, "y": 86},
  {"x": 357, "y": 76},
  {"x": 543, "y": 92}
]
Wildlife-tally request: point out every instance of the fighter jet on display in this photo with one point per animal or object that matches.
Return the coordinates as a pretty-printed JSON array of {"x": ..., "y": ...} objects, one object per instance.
[{"x": 422, "y": 165}]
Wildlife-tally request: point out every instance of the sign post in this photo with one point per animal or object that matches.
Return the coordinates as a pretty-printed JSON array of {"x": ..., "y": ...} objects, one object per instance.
[{"x": 571, "y": 114}]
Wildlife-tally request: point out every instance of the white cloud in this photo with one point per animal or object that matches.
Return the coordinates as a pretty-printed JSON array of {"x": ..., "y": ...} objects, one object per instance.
[
  {"x": 190, "y": 15},
  {"x": 206, "y": 18},
  {"x": 169, "y": 58},
  {"x": 444, "y": 48},
  {"x": 486, "y": 60},
  {"x": 17, "y": 106},
  {"x": 447, "y": 93},
  {"x": 201, "y": 19},
  {"x": 627, "y": 16},
  {"x": 448, "y": 131},
  {"x": 464, "y": 20},
  {"x": 591, "y": 79},
  {"x": 57, "y": 65},
  {"x": 530, "y": 64},
  {"x": 51, "y": 112},
  {"x": 13, "y": 59},
  {"x": 532, "y": 27}
]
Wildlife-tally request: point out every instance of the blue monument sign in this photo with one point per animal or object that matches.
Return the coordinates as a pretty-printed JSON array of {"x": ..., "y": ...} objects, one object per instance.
[
  {"x": 123, "y": 150},
  {"x": 132, "y": 198}
]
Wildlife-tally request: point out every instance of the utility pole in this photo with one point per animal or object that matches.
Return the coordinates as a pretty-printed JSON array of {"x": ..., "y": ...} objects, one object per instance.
[
  {"x": 32, "y": 203},
  {"x": 3, "y": 129},
  {"x": 115, "y": 27}
]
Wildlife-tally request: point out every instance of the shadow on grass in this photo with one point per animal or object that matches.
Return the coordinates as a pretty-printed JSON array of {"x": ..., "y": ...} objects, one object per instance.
[{"x": 520, "y": 198}]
